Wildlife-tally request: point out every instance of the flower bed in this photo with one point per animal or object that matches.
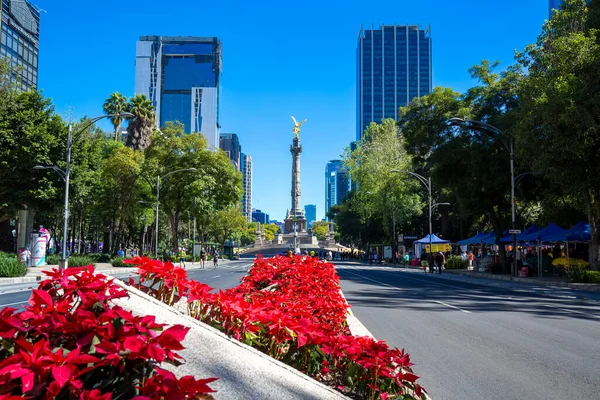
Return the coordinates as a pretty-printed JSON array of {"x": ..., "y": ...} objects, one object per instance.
[
  {"x": 70, "y": 343},
  {"x": 292, "y": 310}
]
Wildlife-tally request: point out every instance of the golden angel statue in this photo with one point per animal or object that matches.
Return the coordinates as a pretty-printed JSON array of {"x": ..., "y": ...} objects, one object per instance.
[{"x": 297, "y": 126}]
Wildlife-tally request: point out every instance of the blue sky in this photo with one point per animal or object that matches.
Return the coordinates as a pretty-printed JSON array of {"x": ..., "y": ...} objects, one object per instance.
[{"x": 279, "y": 59}]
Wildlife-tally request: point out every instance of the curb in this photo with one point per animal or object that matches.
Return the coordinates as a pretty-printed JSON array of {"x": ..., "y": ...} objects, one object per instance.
[
  {"x": 40, "y": 276},
  {"x": 588, "y": 287}
]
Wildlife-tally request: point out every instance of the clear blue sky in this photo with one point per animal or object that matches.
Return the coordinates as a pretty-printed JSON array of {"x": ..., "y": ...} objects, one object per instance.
[{"x": 280, "y": 58}]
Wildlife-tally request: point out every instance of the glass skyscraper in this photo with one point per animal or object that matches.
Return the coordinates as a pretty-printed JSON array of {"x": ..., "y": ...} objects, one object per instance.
[
  {"x": 337, "y": 184},
  {"x": 181, "y": 76},
  {"x": 247, "y": 183},
  {"x": 310, "y": 211},
  {"x": 393, "y": 65},
  {"x": 19, "y": 41},
  {"x": 230, "y": 144}
]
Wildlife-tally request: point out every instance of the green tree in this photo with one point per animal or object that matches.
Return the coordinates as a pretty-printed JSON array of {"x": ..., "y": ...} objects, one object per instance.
[
  {"x": 140, "y": 128},
  {"x": 215, "y": 184},
  {"x": 560, "y": 107},
  {"x": 227, "y": 224},
  {"x": 116, "y": 104},
  {"x": 381, "y": 192},
  {"x": 320, "y": 229},
  {"x": 31, "y": 133}
]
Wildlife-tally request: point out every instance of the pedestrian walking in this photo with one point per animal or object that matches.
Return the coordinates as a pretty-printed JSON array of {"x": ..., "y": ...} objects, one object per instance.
[
  {"x": 216, "y": 259},
  {"x": 182, "y": 257},
  {"x": 202, "y": 258},
  {"x": 440, "y": 260}
]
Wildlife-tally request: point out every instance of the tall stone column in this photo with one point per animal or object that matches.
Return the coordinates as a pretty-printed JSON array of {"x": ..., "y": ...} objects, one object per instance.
[{"x": 296, "y": 149}]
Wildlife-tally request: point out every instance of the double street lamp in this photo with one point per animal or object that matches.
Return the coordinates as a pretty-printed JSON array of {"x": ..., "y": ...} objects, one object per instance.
[
  {"x": 493, "y": 132},
  {"x": 66, "y": 173},
  {"x": 427, "y": 183}
]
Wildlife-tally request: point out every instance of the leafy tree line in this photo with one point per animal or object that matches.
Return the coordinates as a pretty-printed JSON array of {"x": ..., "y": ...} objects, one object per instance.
[
  {"x": 113, "y": 181},
  {"x": 547, "y": 105}
]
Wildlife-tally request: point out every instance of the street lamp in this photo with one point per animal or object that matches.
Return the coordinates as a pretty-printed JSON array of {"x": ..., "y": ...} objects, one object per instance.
[
  {"x": 66, "y": 173},
  {"x": 427, "y": 183},
  {"x": 158, "y": 180},
  {"x": 492, "y": 131}
]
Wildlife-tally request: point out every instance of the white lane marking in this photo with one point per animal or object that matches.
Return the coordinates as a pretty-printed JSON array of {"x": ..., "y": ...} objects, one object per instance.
[
  {"x": 573, "y": 311},
  {"x": 397, "y": 288},
  {"x": 451, "y": 306},
  {"x": 13, "y": 304},
  {"x": 218, "y": 276}
]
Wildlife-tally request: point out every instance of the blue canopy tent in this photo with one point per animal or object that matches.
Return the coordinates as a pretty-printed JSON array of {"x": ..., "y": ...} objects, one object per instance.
[
  {"x": 472, "y": 240},
  {"x": 578, "y": 233},
  {"x": 425, "y": 241},
  {"x": 508, "y": 238},
  {"x": 543, "y": 235},
  {"x": 490, "y": 238},
  {"x": 434, "y": 240}
]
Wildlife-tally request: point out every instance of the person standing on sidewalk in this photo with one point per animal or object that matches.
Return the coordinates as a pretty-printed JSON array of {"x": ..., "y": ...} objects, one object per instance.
[{"x": 431, "y": 262}]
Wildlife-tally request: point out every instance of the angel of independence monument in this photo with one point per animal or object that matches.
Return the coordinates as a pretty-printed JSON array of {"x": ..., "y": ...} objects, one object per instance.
[{"x": 295, "y": 220}]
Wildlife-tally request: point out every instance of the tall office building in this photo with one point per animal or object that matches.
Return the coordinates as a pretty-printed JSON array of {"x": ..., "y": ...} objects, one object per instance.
[
  {"x": 393, "y": 65},
  {"x": 19, "y": 41},
  {"x": 230, "y": 144},
  {"x": 337, "y": 184},
  {"x": 247, "y": 183},
  {"x": 181, "y": 76},
  {"x": 259, "y": 216},
  {"x": 310, "y": 211}
]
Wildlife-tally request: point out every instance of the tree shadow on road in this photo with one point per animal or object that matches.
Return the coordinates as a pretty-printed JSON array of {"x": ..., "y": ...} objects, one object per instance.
[{"x": 397, "y": 290}]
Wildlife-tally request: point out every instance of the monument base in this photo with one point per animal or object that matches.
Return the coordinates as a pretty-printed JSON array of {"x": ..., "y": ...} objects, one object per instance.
[{"x": 300, "y": 224}]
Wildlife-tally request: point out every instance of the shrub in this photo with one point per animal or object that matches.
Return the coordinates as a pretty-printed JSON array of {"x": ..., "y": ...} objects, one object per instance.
[
  {"x": 456, "y": 262},
  {"x": 53, "y": 259},
  {"x": 70, "y": 343},
  {"x": 80, "y": 261},
  {"x": 11, "y": 268},
  {"x": 117, "y": 262},
  {"x": 582, "y": 275},
  {"x": 279, "y": 310}
]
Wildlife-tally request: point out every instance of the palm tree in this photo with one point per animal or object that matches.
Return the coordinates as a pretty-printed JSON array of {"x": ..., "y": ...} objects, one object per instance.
[
  {"x": 115, "y": 104},
  {"x": 141, "y": 126}
]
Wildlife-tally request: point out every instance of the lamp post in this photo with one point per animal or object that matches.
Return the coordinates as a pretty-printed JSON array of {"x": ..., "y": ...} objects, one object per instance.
[
  {"x": 492, "y": 131},
  {"x": 66, "y": 174},
  {"x": 427, "y": 183},
  {"x": 158, "y": 180}
]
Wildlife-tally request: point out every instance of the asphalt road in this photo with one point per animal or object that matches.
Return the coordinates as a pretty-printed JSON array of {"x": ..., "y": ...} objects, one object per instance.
[
  {"x": 223, "y": 277},
  {"x": 470, "y": 341}
]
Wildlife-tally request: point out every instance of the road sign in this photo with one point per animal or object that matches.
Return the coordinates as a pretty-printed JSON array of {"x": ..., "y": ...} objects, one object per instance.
[{"x": 514, "y": 231}]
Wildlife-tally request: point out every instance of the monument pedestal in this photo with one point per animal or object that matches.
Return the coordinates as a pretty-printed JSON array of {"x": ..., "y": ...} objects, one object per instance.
[{"x": 300, "y": 224}]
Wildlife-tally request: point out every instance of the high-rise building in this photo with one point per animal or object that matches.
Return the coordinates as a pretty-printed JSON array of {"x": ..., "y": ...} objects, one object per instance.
[
  {"x": 393, "y": 66},
  {"x": 19, "y": 41},
  {"x": 337, "y": 184},
  {"x": 247, "y": 183},
  {"x": 181, "y": 76},
  {"x": 230, "y": 144},
  {"x": 259, "y": 216},
  {"x": 310, "y": 211}
]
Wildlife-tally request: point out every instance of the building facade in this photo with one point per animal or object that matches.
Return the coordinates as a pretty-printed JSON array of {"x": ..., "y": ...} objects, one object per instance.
[
  {"x": 230, "y": 144},
  {"x": 259, "y": 216},
  {"x": 393, "y": 65},
  {"x": 19, "y": 41},
  {"x": 247, "y": 183},
  {"x": 337, "y": 184},
  {"x": 181, "y": 76},
  {"x": 310, "y": 211}
]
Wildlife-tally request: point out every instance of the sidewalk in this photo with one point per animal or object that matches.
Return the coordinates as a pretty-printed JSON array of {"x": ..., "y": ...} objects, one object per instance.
[
  {"x": 481, "y": 277},
  {"x": 35, "y": 274}
]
